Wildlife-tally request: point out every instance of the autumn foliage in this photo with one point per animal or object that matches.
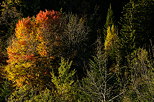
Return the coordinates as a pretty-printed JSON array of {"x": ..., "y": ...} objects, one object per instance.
[
  {"x": 47, "y": 25},
  {"x": 111, "y": 38},
  {"x": 76, "y": 55},
  {"x": 29, "y": 49}
]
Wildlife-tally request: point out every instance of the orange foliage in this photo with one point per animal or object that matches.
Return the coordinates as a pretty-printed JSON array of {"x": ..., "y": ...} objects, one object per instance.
[
  {"x": 47, "y": 15},
  {"x": 29, "y": 57},
  {"x": 23, "y": 28},
  {"x": 31, "y": 42},
  {"x": 45, "y": 21},
  {"x": 22, "y": 42},
  {"x": 17, "y": 50}
]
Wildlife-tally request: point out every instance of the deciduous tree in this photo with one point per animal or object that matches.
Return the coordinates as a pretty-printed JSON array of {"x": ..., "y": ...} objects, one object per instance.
[{"x": 28, "y": 53}]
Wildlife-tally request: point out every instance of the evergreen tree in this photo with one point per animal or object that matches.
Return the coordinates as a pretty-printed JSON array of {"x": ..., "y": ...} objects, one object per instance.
[
  {"x": 141, "y": 86},
  {"x": 109, "y": 17},
  {"x": 136, "y": 32},
  {"x": 136, "y": 26},
  {"x": 127, "y": 33},
  {"x": 63, "y": 82},
  {"x": 100, "y": 84}
]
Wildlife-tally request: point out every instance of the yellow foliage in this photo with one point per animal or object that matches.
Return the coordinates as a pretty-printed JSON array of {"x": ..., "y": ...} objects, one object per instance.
[
  {"x": 30, "y": 43},
  {"x": 42, "y": 49},
  {"x": 20, "y": 81},
  {"x": 63, "y": 82},
  {"x": 111, "y": 38}
]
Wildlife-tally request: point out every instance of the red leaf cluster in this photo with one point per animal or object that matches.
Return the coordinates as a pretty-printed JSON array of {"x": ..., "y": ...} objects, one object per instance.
[{"x": 44, "y": 16}]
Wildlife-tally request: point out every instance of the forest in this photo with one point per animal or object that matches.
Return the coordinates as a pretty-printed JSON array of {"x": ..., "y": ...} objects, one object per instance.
[{"x": 76, "y": 51}]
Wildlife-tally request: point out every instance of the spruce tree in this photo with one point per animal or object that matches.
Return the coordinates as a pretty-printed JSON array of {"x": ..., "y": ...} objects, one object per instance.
[
  {"x": 63, "y": 82},
  {"x": 127, "y": 33},
  {"x": 109, "y": 17},
  {"x": 100, "y": 84},
  {"x": 136, "y": 27}
]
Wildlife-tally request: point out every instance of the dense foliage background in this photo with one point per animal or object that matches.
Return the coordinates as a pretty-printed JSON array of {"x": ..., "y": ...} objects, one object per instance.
[{"x": 76, "y": 51}]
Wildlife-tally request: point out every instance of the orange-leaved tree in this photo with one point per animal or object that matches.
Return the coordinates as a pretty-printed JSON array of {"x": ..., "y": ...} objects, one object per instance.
[
  {"x": 29, "y": 51},
  {"x": 47, "y": 31}
]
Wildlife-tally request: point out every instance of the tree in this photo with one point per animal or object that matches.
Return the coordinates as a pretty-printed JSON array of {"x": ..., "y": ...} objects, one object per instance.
[
  {"x": 111, "y": 43},
  {"x": 111, "y": 34},
  {"x": 63, "y": 82},
  {"x": 127, "y": 33},
  {"x": 135, "y": 33},
  {"x": 62, "y": 90},
  {"x": 141, "y": 77},
  {"x": 136, "y": 27},
  {"x": 109, "y": 17},
  {"x": 29, "y": 59},
  {"x": 49, "y": 32},
  {"x": 75, "y": 41},
  {"x": 111, "y": 38},
  {"x": 42, "y": 42},
  {"x": 100, "y": 83},
  {"x": 24, "y": 6}
]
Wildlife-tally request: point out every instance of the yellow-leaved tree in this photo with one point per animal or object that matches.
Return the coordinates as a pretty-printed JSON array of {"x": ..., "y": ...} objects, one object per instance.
[
  {"x": 29, "y": 51},
  {"x": 111, "y": 38}
]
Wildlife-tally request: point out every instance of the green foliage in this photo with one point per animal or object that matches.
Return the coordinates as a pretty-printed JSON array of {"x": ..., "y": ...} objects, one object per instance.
[
  {"x": 100, "y": 84},
  {"x": 108, "y": 22},
  {"x": 118, "y": 72},
  {"x": 43, "y": 96},
  {"x": 4, "y": 84},
  {"x": 136, "y": 33},
  {"x": 4, "y": 90},
  {"x": 141, "y": 86},
  {"x": 9, "y": 12},
  {"x": 23, "y": 6},
  {"x": 127, "y": 33},
  {"x": 23, "y": 93},
  {"x": 62, "y": 90},
  {"x": 9, "y": 3},
  {"x": 2, "y": 64},
  {"x": 136, "y": 26},
  {"x": 111, "y": 41},
  {"x": 109, "y": 17},
  {"x": 63, "y": 82}
]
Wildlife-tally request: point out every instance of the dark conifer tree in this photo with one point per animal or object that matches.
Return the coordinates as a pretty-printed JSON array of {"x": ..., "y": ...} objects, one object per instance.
[{"x": 137, "y": 26}]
